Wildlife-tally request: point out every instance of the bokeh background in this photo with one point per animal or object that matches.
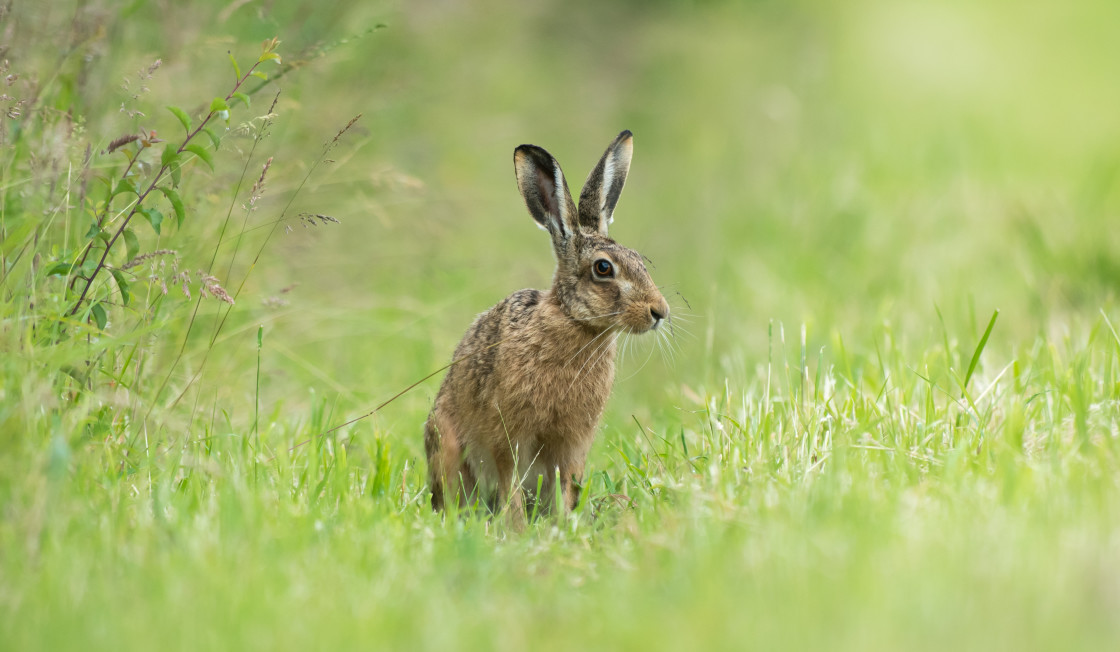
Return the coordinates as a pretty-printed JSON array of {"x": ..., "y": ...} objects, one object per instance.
[{"x": 878, "y": 175}]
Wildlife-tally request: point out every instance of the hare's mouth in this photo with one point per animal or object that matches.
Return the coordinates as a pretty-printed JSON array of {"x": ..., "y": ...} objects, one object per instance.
[{"x": 644, "y": 327}]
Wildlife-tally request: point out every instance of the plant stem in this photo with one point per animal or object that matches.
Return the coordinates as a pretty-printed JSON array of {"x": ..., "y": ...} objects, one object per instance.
[
  {"x": 257, "y": 399},
  {"x": 101, "y": 217}
]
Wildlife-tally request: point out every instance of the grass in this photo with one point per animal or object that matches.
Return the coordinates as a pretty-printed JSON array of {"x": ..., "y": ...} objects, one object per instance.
[{"x": 847, "y": 445}]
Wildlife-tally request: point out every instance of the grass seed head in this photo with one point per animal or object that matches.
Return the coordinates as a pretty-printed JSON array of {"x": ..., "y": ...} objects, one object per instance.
[{"x": 148, "y": 256}]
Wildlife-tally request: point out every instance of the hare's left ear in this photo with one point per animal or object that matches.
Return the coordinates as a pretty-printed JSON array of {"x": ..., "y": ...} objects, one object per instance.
[{"x": 604, "y": 185}]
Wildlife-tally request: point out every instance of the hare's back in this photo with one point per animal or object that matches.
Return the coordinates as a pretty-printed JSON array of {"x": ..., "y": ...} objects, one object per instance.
[{"x": 478, "y": 352}]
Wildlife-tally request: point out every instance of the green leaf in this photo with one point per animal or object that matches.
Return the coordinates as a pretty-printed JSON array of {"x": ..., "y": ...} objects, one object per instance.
[
  {"x": 123, "y": 186},
  {"x": 269, "y": 56},
  {"x": 259, "y": 75},
  {"x": 176, "y": 175},
  {"x": 93, "y": 232},
  {"x": 131, "y": 244},
  {"x": 183, "y": 118},
  {"x": 60, "y": 269},
  {"x": 122, "y": 283},
  {"x": 176, "y": 203},
  {"x": 218, "y": 104},
  {"x": 200, "y": 152},
  {"x": 99, "y": 315},
  {"x": 170, "y": 156},
  {"x": 154, "y": 217},
  {"x": 241, "y": 97},
  {"x": 213, "y": 138},
  {"x": 236, "y": 68}
]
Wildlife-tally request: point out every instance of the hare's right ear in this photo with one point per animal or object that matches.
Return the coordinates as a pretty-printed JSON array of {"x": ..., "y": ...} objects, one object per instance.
[{"x": 545, "y": 191}]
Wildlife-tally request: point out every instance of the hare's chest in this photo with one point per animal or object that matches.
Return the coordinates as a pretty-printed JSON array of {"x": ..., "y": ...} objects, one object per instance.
[{"x": 561, "y": 389}]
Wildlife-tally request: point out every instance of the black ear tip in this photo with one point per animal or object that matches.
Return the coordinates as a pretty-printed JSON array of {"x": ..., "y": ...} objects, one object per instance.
[
  {"x": 538, "y": 155},
  {"x": 626, "y": 133}
]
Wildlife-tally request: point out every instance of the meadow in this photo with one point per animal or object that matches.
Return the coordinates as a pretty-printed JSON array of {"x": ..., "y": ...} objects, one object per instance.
[{"x": 887, "y": 417}]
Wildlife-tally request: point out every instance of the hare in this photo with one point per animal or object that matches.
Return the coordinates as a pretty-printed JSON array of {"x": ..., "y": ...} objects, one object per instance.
[{"x": 521, "y": 405}]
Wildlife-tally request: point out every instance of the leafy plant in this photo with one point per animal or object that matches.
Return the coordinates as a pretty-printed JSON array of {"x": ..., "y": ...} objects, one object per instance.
[
  {"x": 166, "y": 179},
  {"x": 120, "y": 233}
]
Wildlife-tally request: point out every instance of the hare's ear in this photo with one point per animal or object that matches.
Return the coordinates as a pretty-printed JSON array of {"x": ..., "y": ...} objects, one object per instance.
[
  {"x": 604, "y": 185},
  {"x": 545, "y": 191}
]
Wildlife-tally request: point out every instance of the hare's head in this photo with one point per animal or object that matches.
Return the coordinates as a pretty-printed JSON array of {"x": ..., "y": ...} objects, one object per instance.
[{"x": 601, "y": 284}]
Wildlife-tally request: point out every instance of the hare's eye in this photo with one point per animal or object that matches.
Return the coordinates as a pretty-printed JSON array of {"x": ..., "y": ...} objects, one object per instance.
[{"x": 603, "y": 268}]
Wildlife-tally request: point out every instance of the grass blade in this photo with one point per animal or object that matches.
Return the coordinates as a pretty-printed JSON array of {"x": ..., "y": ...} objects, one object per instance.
[{"x": 980, "y": 349}]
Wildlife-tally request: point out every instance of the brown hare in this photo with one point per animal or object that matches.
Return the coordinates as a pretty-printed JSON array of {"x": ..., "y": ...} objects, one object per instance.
[{"x": 521, "y": 407}]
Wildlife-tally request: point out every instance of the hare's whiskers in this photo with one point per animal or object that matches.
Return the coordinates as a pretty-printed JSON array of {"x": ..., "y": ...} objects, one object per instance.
[
  {"x": 604, "y": 353},
  {"x": 609, "y": 314},
  {"x": 625, "y": 347},
  {"x": 660, "y": 339},
  {"x": 674, "y": 327},
  {"x": 575, "y": 379},
  {"x": 601, "y": 333},
  {"x": 672, "y": 343},
  {"x": 604, "y": 347},
  {"x": 671, "y": 346},
  {"x": 594, "y": 351},
  {"x": 648, "y": 357},
  {"x": 632, "y": 343}
]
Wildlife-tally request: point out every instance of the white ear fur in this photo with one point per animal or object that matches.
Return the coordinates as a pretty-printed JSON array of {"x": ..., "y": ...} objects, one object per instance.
[
  {"x": 558, "y": 184},
  {"x": 608, "y": 176}
]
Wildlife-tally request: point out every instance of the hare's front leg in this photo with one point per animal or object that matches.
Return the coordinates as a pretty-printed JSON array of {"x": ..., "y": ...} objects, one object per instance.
[
  {"x": 510, "y": 498},
  {"x": 551, "y": 496},
  {"x": 571, "y": 484}
]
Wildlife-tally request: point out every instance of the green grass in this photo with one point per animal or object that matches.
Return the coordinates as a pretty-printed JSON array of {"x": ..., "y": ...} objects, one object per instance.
[{"x": 843, "y": 448}]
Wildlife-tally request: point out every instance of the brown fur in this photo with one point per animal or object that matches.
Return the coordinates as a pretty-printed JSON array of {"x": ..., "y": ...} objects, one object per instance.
[{"x": 523, "y": 405}]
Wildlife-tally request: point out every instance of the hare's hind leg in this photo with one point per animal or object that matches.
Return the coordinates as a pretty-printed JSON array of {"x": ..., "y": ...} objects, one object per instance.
[
  {"x": 433, "y": 449},
  {"x": 449, "y": 478}
]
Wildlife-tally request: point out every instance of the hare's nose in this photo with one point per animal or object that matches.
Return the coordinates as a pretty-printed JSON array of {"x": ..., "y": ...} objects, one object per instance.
[{"x": 658, "y": 313}]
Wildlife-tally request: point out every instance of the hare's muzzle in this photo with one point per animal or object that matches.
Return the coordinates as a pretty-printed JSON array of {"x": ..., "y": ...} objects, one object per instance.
[{"x": 658, "y": 313}]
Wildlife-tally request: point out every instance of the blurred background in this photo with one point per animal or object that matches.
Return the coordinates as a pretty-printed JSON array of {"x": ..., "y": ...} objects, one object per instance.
[
  {"x": 853, "y": 168},
  {"x": 851, "y": 188}
]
